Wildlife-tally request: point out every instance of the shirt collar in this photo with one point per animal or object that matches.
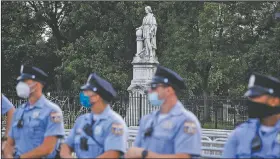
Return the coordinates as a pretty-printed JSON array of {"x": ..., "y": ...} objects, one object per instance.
[
  {"x": 256, "y": 122},
  {"x": 105, "y": 113},
  {"x": 175, "y": 111},
  {"x": 277, "y": 126},
  {"x": 39, "y": 103}
]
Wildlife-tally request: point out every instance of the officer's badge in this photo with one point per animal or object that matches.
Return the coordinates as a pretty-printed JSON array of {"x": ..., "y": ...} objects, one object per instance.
[
  {"x": 56, "y": 117},
  {"x": 278, "y": 138},
  {"x": 117, "y": 129},
  {"x": 35, "y": 114},
  {"x": 189, "y": 127},
  {"x": 97, "y": 130},
  {"x": 79, "y": 131},
  {"x": 167, "y": 124}
]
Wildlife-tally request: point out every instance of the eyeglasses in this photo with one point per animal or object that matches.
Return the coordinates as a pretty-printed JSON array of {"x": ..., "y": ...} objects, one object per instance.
[{"x": 89, "y": 94}]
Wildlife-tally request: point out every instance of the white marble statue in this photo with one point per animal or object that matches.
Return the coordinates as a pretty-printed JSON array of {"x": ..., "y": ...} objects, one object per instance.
[{"x": 149, "y": 29}]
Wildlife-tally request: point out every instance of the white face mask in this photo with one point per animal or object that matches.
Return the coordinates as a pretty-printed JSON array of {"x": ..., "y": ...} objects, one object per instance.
[{"x": 24, "y": 90}]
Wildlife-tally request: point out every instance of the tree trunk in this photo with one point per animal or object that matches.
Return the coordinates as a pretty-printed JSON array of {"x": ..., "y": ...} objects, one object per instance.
[
  {"x": 58, "y": 83},
  {"x": 206, "y": 117}
]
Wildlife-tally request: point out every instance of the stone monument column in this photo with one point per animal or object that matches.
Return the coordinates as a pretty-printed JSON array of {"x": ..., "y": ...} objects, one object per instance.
[{"x": 144, "y": 66}]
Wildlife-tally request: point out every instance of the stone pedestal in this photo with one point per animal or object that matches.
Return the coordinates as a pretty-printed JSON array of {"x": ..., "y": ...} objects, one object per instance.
[
  {"x": 144, "y": 67},
  {"x": 143, "y": 71}
]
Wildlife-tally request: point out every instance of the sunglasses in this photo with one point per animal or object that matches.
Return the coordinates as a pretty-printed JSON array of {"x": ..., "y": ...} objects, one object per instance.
[
  {"x": 89, "y": 93},
  {"x": 154, "y": 86}
]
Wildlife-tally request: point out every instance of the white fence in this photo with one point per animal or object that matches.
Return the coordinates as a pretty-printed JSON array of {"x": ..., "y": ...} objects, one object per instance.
[{"x": 213, "y": 140}]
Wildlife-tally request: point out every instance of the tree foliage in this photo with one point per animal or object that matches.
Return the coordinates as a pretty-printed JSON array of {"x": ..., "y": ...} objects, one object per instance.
[{"x": 213, "y": 45}]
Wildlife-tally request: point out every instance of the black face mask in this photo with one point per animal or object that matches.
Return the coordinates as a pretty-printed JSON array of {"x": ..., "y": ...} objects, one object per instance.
[{"x": 258, "y": 110}]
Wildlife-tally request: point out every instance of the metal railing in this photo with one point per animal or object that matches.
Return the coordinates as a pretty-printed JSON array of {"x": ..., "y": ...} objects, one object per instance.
[
  {"x": 212, "y": 141},
  {"x": 224, "y": 112}
]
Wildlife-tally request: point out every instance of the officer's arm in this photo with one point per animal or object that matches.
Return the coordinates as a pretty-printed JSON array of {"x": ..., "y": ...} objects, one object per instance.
[
  {"x": 8, "y": 125},
  {"x": 43, "y": 150},
  {"x": 110, "y": 154},
  {"x": 115, "y": 142},
  {"x": 137, "y": 142},
  {"x": 9, "y": 120},
  {"x": 66, "y": 151},
  {"x": 156, "y": 155},
  {"x": 9, "y": 148},
  {"x": 68, "y": 147},
  {"x": 54, "y": 129},
  {"x": 136, "y": 152},
  {"x": 230, "y": 147},
  {"x": 7, "y": 107}
]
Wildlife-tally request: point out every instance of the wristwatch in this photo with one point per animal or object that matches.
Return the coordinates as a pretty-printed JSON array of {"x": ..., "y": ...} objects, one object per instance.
[{"x": 144, "y": 154}]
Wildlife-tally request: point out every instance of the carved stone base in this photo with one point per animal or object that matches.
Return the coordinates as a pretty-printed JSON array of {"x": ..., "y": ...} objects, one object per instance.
[
  {"x": 145, "y": 60},
  {"x": 143, "y": 71}
]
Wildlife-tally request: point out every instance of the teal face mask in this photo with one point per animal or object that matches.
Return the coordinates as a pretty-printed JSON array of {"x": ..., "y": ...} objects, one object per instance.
[
  {"x": 154, "y": 100},
  {"x": 84, "y": 100}
]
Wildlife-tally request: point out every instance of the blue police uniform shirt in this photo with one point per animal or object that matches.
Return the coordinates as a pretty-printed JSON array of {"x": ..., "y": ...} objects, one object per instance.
[
  {"x": 6, "y": 105},
  {"x": 109, "y": 133},
  {"x": 239, "y": 142},
  {"x": 178, "y": 132},
  {"x": 41, "y": 120}
]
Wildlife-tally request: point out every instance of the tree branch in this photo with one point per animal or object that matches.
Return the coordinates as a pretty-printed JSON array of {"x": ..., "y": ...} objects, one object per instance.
[
  {"x": 55, "y": 7},
  {"x": 32, "y": 4},
  {"x": 61, "y": 12}
]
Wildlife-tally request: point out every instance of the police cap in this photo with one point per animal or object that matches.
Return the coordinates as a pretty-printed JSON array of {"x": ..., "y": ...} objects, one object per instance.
[
  {"x": 168, "y": 77},
  {"x": 34, "y": 73},
  {"x": 261, "y": 85},
  {"x": 100, "y": 86}
]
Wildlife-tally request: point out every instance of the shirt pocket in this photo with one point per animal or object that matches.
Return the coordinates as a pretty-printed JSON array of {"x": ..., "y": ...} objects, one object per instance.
[
  {"x": 16, "y": 131},
  {"x": 36, "y": 129},
  {"x": 94, "y": 149},
  {"x": 243, "y": 151},
  {"x": 163, "y": 142}
]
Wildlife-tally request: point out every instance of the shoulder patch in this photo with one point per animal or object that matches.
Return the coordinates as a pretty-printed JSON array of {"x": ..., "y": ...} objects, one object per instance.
[
  {"x": 190, "y": 127},
  {"x": 56, "y": 117},
  {"x": 117, "y": 129}
]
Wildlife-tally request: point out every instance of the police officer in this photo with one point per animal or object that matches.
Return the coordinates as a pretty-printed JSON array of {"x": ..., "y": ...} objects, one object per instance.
[
  {"x": 259, "y": 137},
  {"x": 37, "y": 125},
  {"x": 172, "y": 131},
  {"x": 7, "y": 107},
  {"x": 101, "y": 133}
]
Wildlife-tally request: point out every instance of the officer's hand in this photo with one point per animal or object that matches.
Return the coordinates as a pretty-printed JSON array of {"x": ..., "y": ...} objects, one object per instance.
[
  {"x": 134, "y": 152},
  {"x": 3, "y": 145}
]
